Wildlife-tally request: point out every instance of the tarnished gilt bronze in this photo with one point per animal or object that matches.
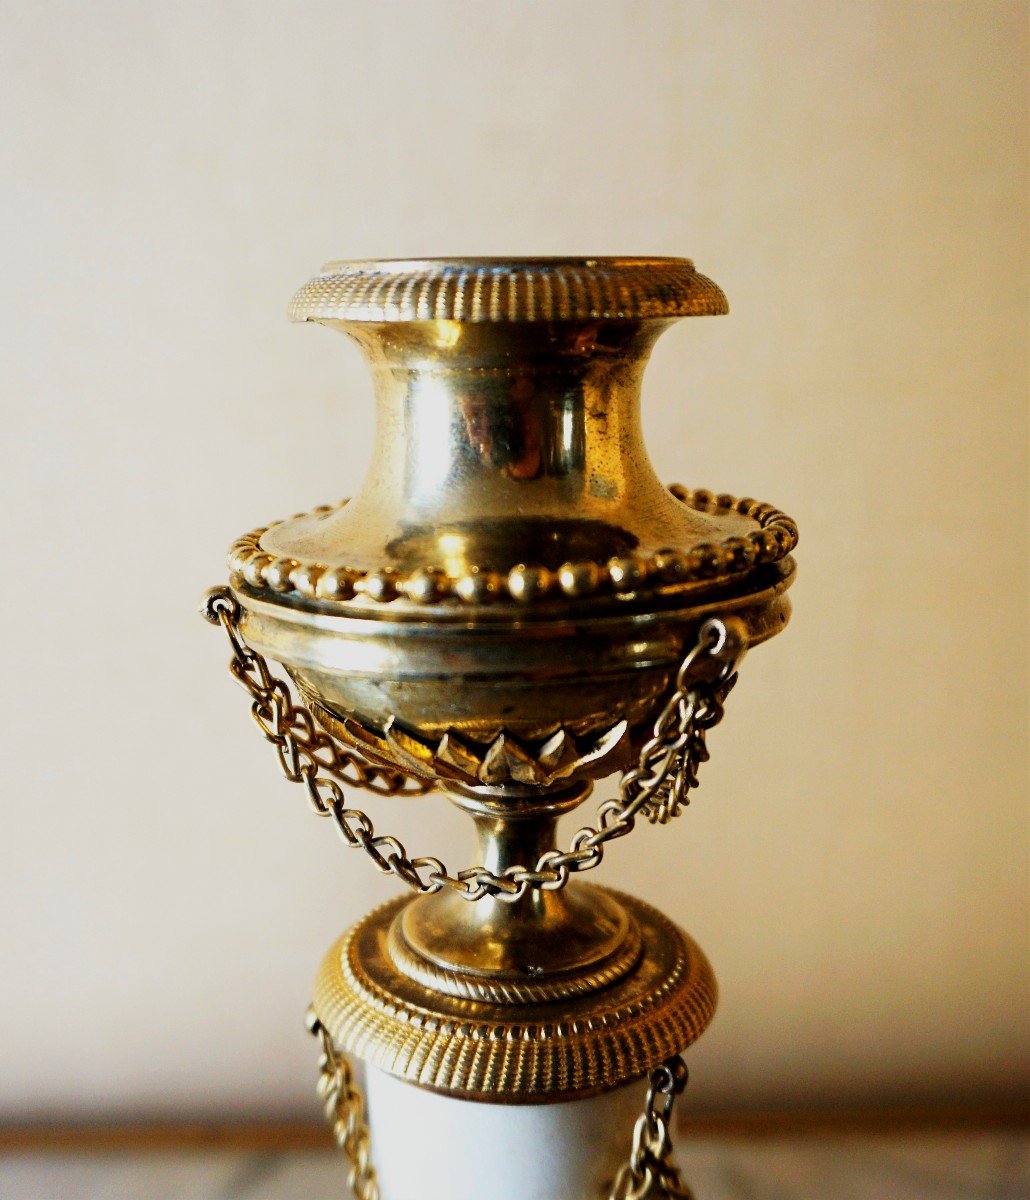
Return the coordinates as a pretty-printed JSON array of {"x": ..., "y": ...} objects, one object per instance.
[{"x": 510, "y": 608}]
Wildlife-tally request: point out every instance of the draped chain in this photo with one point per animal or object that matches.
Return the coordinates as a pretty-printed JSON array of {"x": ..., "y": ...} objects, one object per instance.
[{"x": 656, "y": 786}]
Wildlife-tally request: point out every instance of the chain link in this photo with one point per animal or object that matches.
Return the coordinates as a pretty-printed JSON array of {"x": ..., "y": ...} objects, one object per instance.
[
  {"x": 303, "y": 750},
  {"x": 657, "y": 785},
  {"x": 650, "y": 1174},
  {"x": 345, "y": 1111}
]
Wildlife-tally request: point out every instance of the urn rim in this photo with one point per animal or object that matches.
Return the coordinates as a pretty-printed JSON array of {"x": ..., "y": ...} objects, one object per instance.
[{"x": 512, "y": 290}]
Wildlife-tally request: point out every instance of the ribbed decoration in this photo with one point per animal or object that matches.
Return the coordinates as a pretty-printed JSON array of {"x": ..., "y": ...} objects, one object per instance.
[
  {"x": 484, "y": 290},
  {"x": 524, "y": 1054}
]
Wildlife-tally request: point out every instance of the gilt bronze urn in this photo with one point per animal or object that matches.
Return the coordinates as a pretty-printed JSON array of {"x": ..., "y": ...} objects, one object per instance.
[{"x": 511, "y": 608}]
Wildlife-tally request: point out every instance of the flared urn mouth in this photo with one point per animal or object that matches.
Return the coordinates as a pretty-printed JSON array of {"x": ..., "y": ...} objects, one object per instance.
[
  {"x": 510, "y": 465},
  {"x": 507, "y": 595},
  {"x": 494, "y": 290}
]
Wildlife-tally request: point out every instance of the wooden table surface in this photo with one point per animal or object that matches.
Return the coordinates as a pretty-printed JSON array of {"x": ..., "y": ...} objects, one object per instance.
[{"x": 956, "y": 1165}]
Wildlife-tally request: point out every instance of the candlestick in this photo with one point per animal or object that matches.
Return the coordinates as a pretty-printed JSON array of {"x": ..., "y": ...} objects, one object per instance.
[{"x": 511, "y": 608}]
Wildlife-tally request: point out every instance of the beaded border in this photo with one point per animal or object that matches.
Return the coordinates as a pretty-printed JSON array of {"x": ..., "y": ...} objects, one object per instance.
[{"x": 775, "y": 538}]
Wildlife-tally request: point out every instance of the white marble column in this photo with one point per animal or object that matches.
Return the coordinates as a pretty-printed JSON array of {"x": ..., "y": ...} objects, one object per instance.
[{"x": 433, "y": 1147}]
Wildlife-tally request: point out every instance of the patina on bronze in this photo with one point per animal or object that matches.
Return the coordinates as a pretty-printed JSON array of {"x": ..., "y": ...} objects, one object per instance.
[{"x": 510, "y": 608}]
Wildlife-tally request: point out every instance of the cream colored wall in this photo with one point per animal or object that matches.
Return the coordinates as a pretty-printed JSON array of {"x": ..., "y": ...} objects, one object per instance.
[{"x": 853, "y": 174}]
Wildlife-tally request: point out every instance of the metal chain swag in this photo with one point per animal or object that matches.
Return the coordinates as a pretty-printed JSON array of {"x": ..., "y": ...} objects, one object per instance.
[
  {"x": 345, "y": 1111},
  {"x": 648, "y": 1175},
  {"x": 656, "y": 786}
]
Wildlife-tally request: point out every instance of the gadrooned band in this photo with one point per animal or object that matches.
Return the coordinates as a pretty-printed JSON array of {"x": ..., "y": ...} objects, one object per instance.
[
  {"x": 487, "y": 290},
  {"x": 507, "y": 1054}
]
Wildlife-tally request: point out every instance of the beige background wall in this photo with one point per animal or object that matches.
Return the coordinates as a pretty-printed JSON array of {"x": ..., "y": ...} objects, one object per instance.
[{"x": 853, "y": 174}]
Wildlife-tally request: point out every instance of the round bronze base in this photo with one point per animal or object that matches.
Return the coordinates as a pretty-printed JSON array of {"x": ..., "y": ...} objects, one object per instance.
[
  {"x": 529, "y": 1053},
  {"x": 546, "y": 947}
]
